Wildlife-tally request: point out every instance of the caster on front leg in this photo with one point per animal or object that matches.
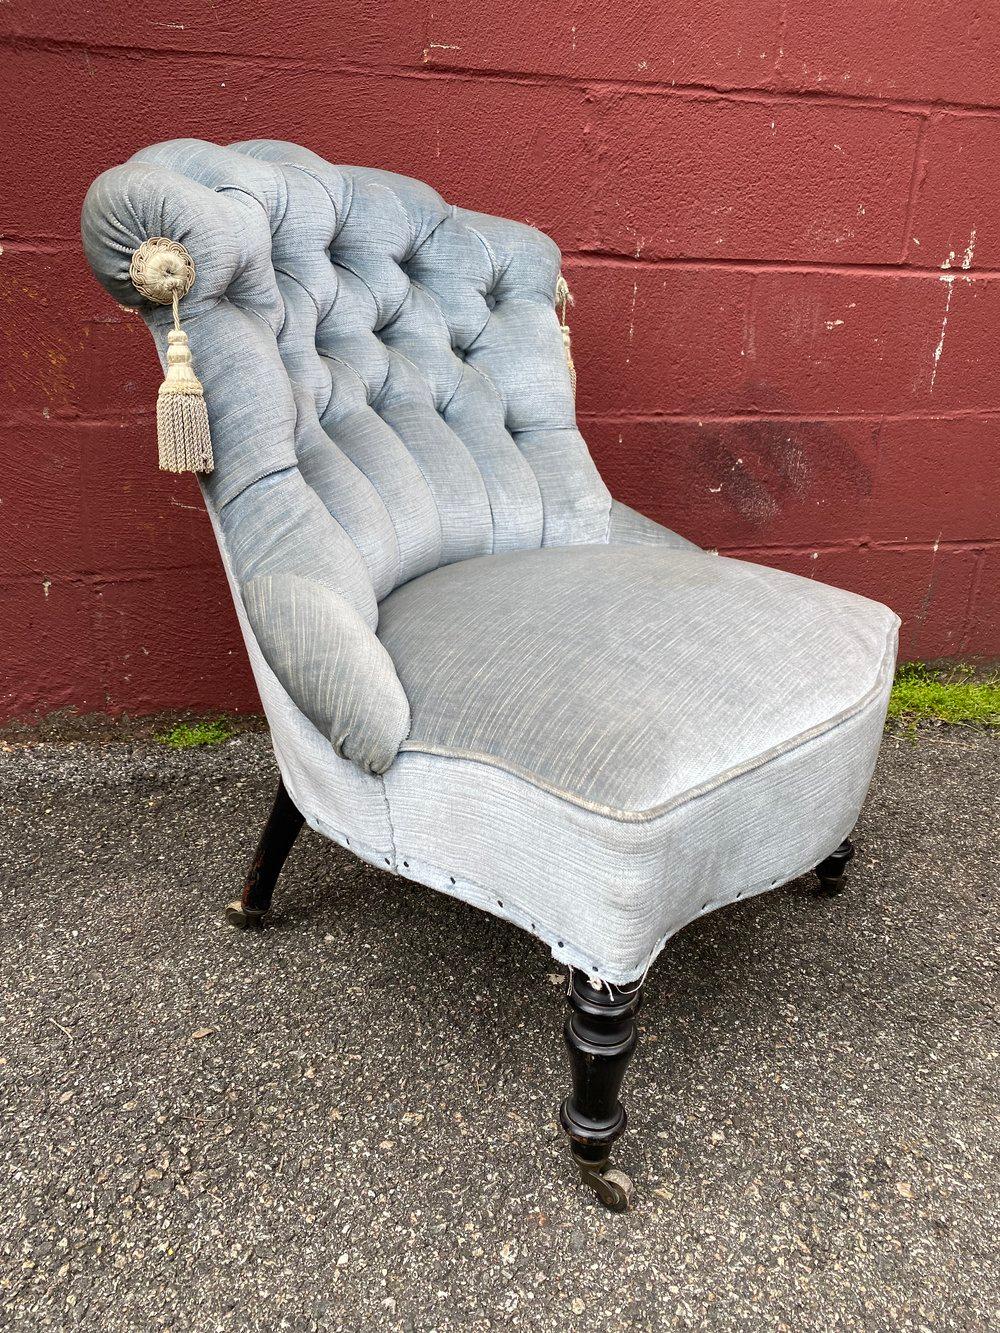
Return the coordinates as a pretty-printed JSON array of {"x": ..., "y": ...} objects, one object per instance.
[
  {"x": 832, "y": 872},
  {"x": 613, "y": 1187},
  {"x": 601, "y": 1035}
]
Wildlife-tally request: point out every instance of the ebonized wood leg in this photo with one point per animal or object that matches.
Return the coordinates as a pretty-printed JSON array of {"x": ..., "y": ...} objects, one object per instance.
[
  {"x": 832, "y": 873},
  {"x": 276, "y": 841},
  {"x": 601, "y": 1035}
]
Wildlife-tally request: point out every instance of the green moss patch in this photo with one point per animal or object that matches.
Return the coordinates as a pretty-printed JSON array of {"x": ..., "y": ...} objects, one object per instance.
[
  {"x": 952, "y": 694},
  {"x": 186, "y": 735}
]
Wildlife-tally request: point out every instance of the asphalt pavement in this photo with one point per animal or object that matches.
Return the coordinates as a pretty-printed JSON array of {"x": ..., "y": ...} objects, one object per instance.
[{"x": 348, "y": 1121}]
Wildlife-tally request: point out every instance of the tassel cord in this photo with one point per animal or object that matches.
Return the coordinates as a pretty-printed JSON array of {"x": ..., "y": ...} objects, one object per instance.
[
  {"x": 564, "y": 298},
  {"x": 163, "y": 272}
]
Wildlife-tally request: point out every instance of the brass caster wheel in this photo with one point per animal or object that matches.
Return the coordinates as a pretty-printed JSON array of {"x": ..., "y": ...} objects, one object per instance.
[
  {"x": 244, "y": 918},
  {"x": 613, "y": 1187}
]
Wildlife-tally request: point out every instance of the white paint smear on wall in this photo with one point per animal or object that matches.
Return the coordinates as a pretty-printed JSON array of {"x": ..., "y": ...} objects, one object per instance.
[{"x": 949, "y": 280}]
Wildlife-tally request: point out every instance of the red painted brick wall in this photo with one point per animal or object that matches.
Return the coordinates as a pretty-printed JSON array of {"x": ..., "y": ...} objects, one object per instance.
[{"x": 781, "y": 221}]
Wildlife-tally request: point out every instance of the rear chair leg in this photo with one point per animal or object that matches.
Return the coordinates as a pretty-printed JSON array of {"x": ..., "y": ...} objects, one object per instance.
[
  {"x": 832, "y": 872},
  {"x": 280, "y": 831},
  {"x": 601, "y": 1035}
]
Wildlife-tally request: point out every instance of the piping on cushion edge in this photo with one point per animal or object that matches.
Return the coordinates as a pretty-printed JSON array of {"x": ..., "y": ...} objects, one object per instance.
[{"x": 654, "y": 812}]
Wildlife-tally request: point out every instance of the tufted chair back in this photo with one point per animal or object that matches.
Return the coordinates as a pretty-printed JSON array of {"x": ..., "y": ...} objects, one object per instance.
[
  {"x": 422, "y": 400},
  {"x": 387, "y": 389}
]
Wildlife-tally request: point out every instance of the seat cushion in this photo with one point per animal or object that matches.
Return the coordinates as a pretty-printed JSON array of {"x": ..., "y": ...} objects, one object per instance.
[
  {"x": 628, "y": 679},
  {"x": 608, "y": 743}
]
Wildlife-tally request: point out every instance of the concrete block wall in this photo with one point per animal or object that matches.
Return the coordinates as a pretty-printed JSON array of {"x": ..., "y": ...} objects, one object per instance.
[{"x": 779, "y": 221}]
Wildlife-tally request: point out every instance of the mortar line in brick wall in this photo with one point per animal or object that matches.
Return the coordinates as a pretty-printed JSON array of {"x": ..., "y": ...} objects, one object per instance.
[
  {"x": 119, "y": 416},
  {"x": 605, "y": 259},
  {"x": 13, "y": 243},
  {"x": 956, "y": 546},
  {"x": 693, "y": 91},
  {"x": 96, "y": 579},
  {"x": 625, "y": 418},
  {"x": 916, "y": 182},
  {"x": 133, "y": 417},
  {"x": 136, "y": 416},
  {"x": 91, "y": 578},
  {"x": 869, "y": 506},
  {"x": 970, "y": 604},
  {"x": 586, "y": 83},
  {"x": 102, "y": 657},
  {"x": 94, "y": 582},
  {"x": 612, "y": 258},
  {"x": 779, "y": 44}
]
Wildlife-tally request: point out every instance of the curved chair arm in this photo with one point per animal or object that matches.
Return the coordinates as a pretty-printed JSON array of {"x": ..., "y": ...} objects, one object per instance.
[
  {"x": 628, "y": 528},
  {"x": 306, "y": 587},
  {"x": 332, "y": 665}
]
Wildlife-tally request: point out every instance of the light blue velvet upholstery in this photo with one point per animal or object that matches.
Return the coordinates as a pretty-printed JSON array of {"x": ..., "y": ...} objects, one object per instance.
[
  {"x": 618, "y": 684},
  {"x": 479, "y": 670}
]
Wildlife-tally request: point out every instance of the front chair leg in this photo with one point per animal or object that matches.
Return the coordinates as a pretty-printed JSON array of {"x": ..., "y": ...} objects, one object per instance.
[
  {"x": 601, "y": 1035},
  {"x": 832, "y": 872},
  {"x": 280, "y": 831}
]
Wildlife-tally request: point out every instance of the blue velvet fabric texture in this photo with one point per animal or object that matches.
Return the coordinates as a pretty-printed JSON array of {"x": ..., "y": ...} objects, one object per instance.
[
  {"x": 385, "y": 377},
  {"x": 478, "y": 668}
]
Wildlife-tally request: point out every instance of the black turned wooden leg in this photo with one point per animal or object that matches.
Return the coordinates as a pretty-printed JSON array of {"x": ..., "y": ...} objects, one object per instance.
[
  {"x": 601, "y": 1035},
  {"x": 832, "y": 873},
  {"x": 280, "y": 831}
]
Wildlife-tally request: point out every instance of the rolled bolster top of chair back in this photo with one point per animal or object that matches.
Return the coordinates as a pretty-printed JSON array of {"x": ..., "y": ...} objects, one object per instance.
[{"x": 385, "y": 375}]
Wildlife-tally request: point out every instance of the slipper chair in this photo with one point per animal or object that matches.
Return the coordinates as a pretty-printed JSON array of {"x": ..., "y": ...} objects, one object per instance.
[{"x": 480, "y": 671}]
